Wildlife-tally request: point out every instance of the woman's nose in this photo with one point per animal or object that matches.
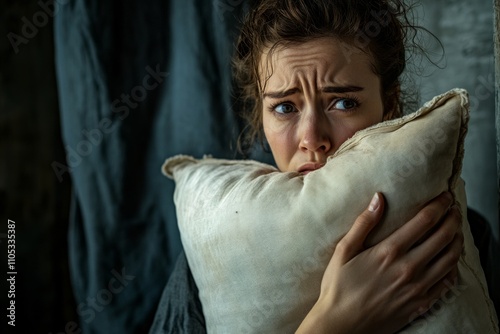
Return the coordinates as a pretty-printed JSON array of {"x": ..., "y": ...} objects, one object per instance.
[{"x": 314, "y": 132}]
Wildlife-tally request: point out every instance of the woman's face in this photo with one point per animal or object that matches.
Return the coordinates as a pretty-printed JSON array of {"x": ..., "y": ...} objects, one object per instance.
[{"x": 319, "y": 95}]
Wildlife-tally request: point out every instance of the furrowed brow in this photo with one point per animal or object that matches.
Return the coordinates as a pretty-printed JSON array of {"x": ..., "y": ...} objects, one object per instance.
[
  {"x": 280, "y": 95},
  {"x": 341, "y": 89},
  {"x": 328, "y": 89}
]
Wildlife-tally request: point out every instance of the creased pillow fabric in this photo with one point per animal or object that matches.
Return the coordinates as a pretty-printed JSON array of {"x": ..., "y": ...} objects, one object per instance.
[{"x": 258, "y": 240}]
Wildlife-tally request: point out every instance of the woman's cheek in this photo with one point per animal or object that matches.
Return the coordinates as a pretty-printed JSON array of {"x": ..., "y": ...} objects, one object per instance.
[
  {"x": 282, "y": 142},
  {"x": 349, "y": 127}
]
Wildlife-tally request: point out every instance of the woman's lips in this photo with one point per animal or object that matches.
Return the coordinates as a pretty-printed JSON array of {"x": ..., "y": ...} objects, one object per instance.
[{"x": 309, "y": 167}]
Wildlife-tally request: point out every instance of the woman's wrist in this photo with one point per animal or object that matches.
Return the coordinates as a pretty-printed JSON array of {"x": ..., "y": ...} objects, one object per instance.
[{"x": 322, "y": 318}]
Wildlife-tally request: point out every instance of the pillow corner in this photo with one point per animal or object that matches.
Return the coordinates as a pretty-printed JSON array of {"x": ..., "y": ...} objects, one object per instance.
[{"x": 170, "y": 164}]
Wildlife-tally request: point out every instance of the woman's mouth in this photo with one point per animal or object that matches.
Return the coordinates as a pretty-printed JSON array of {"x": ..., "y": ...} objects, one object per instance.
[{"x": 309, "y": 167}]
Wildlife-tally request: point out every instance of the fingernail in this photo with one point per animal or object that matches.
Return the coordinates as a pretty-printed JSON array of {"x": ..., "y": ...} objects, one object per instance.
[{"x": 374, "y": 204}]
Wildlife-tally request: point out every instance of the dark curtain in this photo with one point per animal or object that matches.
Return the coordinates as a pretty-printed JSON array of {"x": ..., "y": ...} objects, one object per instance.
[{"x": 138, "y": 81}]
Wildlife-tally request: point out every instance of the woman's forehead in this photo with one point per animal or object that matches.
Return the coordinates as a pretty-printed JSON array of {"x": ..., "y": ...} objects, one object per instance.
[{"x": 324, "y": 60}]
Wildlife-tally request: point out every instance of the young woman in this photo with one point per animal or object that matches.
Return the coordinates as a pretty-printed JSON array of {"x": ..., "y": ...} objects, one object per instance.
[{"x": 315, "y": 72}]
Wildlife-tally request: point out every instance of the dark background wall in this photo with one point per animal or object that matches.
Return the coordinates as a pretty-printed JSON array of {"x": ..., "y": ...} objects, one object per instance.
[
  {"x": 30, "y": 193},
  {"x": 30, "y": 140},
  {"x": 465, "y": 28},
  {"x": 497, "y": 82}
]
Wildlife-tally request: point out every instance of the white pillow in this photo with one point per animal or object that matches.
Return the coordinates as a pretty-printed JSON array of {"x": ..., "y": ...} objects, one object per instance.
[{"x": 258, "y": 240}]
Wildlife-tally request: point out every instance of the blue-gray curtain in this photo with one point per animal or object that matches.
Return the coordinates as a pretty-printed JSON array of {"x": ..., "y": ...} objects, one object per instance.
[{"x": 138, "y": 81}]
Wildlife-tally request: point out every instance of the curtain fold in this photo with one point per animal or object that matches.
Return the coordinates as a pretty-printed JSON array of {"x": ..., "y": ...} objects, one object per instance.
[{"x": 138, "y": 82}]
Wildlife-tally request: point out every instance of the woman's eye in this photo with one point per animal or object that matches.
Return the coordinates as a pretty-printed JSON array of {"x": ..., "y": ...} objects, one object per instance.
[
  {"x": 284, "y": 108},
  {"x": 345, "y": 104}
]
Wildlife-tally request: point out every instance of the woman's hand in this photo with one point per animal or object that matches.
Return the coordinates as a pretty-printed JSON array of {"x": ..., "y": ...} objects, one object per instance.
[{"x": 383, "y": 288}]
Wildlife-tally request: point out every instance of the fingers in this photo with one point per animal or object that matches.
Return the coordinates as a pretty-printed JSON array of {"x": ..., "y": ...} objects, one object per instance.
[
  {"x": 412, "y": 232},
  {"x": 447, "y": 232},
  {"x": 353, "y": 242},
  {"x": 446, "y": 261},
  {"x": 436, "y": 293},
  {"x": 439, "y": 276},
  {"x": 442, "y": 274}
]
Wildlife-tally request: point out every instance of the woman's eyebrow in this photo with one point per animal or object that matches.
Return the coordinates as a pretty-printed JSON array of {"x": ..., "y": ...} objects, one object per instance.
[
  {"x": 328, "y": 89},
  {"x": 280, "y": 95},
  {"x": 341, "y": 89}
]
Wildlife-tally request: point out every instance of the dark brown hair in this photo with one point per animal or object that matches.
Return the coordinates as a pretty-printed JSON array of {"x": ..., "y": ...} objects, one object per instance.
[{"x": 381, "y": 28}]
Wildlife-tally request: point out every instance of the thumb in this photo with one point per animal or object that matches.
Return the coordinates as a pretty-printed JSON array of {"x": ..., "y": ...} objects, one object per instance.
[{"x": 353, "y": 242}]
